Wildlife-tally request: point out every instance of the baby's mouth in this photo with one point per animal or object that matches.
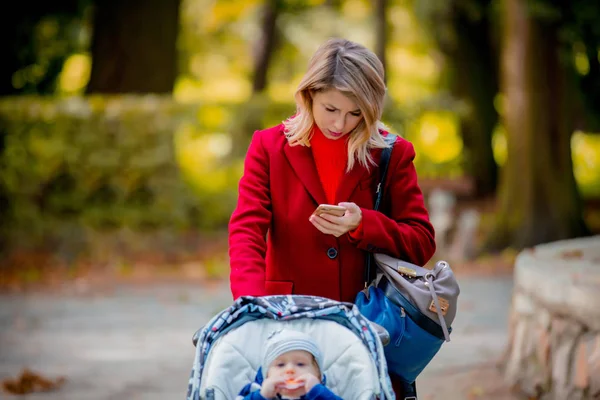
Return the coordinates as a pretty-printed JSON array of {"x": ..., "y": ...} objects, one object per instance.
[{"x": 292, "y": 384}]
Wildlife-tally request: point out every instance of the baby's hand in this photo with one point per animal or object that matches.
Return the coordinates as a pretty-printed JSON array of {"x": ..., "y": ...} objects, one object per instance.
[
  {"x": 310, "y": 381},
  {"x": 270, "y": 387}
]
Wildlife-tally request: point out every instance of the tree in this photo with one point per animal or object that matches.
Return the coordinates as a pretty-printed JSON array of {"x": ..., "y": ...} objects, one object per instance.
[
  {"x": 473, "y": 78},
  {"x": 33, "y": 55},
  {"x": 29, "y": 65},
  {"x": 538, "y": 198},
  {"x": 134, "y": 46},
  {"x": 464, "y": 33},
  {"x": 381, "y": 31},
  {"x": 580, "y": 27},
  {"x": 265, "y": 45},
  {"x": 253, "y": 110}
]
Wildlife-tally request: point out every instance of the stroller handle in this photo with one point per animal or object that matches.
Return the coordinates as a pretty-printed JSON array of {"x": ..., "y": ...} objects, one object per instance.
[{"x": 382, "y": 333}]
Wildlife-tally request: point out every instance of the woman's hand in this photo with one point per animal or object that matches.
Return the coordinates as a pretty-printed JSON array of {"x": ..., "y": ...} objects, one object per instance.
[{"x": 338, "y": 226}]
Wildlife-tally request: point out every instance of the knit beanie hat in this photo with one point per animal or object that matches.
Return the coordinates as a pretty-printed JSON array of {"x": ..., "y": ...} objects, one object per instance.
[{"x": 284, "y": 340}]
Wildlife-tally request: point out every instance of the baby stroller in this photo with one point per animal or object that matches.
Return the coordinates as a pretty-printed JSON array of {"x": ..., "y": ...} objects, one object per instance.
[{"x": 229, "y": 348}]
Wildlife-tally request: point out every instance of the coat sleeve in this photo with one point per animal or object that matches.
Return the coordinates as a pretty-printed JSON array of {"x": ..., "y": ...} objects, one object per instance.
[
  {"x": 249, "y": 224},
  {"x": 321, "y": 392},
  {"x": 405, "y": 232},
  {"x": 252, "y": 396}
]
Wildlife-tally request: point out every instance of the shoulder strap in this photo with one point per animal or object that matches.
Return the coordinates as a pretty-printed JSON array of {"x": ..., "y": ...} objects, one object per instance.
[
  {"x": 386, "y": 154},
  {"x": 390, "y": 139}
]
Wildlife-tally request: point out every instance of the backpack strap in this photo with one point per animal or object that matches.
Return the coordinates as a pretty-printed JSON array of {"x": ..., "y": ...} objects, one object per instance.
[
  {"x": 410, "y": 391},
  {"x": 384, "y": 162}
]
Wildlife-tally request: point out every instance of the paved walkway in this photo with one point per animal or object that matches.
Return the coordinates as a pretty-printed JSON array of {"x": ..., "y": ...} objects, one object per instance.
[{"x": 135, "y": 342}]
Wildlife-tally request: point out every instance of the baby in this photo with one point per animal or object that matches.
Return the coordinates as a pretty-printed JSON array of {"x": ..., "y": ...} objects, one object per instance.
[{"x": 292, "y": 363}]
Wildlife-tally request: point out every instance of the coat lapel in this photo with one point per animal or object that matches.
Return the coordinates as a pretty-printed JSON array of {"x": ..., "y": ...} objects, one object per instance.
[
  {"x": 303, "y": 165},
  {"x": 352, "y": 179},
  {"x": 349, "y": 182}
]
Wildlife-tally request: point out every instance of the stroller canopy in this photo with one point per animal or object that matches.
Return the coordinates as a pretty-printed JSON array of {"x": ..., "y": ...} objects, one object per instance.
[{"x": 229, "y": 348}]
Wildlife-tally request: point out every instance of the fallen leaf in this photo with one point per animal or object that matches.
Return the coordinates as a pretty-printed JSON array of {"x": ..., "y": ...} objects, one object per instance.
[{"x": 30, "y": 382}]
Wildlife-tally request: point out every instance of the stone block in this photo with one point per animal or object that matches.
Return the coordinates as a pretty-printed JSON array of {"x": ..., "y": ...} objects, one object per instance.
[
  {"x": 592, "y": 350},
  {"x": 523, "y": 304},
  {"x": 554, "y": 332}
]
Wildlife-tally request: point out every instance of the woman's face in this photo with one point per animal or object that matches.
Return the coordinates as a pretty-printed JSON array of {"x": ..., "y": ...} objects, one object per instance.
[{"x": 335, "y": 114}]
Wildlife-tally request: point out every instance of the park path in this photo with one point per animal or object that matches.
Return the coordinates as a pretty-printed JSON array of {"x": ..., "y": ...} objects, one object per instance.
[{"x": 134, "y": 341}]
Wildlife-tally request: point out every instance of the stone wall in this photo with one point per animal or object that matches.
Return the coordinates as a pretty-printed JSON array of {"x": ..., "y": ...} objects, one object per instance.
[{"x": 553, "y": 351}]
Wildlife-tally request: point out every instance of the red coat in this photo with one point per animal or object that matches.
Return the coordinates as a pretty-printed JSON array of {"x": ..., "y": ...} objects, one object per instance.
[{"x": 274, "y": 249}]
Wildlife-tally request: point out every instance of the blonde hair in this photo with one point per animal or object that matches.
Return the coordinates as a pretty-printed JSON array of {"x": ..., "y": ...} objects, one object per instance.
[{"x": 356, "y": 72}]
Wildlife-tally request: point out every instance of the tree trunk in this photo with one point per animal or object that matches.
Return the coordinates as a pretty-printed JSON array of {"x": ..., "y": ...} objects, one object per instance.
[
  {"x": 475, "y": 81},
  {"x": 538, "y": 199},
  {"x": 471, "y": 75},
  {"x": 265, "y": 46},
  {"x": 134, "y": 46},
  {"x": 381, "y": 31},
  {"x": 250, "y": 117}
]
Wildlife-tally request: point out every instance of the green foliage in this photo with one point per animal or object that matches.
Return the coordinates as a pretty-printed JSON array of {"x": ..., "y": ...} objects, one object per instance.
[
  {"x": 100, "y": 163},
  {"x": 40, "y": 39},
  {"x": 76, "y": 168}
]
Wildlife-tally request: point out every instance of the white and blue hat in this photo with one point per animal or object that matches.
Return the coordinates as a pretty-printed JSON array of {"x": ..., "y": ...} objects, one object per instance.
[{"x": 282, "y": 341}]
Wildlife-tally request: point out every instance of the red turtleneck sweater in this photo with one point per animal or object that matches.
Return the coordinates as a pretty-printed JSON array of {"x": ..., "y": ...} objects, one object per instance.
[{"x": 331, "y": 160}]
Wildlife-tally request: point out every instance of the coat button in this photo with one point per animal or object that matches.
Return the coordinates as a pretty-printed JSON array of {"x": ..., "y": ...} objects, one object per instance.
[{"x": 332, "y": 253}]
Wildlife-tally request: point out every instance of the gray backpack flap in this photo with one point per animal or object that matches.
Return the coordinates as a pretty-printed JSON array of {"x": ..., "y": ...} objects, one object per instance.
[{"x": 423, "y": 287}]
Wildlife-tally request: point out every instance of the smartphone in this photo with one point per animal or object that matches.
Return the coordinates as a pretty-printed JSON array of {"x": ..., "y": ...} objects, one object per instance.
[{"x": 338, "y": 211}]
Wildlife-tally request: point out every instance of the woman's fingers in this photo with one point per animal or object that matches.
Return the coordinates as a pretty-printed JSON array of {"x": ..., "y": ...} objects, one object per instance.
[
  {"x": 333, "y": 225},
  {"x": 346, "y": 223},
  {"x": 326, "y": 226},
  {"x": 351, "y": 207},
  {"x": 332, "y": 219}
]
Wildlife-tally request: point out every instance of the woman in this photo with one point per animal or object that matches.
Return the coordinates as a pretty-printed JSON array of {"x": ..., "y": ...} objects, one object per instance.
[{"x": 327, "y": 153}]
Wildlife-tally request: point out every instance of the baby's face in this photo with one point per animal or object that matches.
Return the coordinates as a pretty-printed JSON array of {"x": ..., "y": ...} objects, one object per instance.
[{"x": 292, "y": 365}]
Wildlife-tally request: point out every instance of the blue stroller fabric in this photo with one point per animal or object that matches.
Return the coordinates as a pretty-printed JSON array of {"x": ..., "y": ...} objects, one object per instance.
[
  {"x": 253, "y": 389},
  {"x": 286, "y": 308}
]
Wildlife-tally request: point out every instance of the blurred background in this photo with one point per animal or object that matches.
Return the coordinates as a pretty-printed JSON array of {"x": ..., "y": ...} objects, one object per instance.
[
  {"x": 123, "y": 124},
  {"x": 123, "y": 130}
]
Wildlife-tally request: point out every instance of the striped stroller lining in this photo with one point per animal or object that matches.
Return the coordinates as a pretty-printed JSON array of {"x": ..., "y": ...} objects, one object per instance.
[{"x": 286, "y": 308}]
